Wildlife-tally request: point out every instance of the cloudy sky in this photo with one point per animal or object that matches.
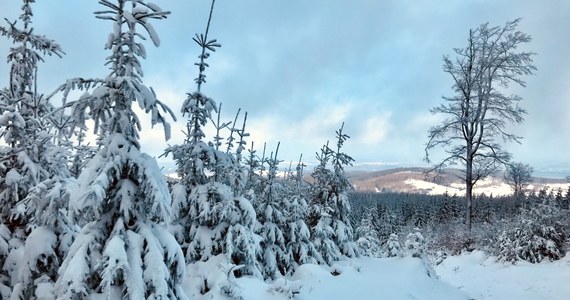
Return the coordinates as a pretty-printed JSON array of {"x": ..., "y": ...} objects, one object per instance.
[{"x": 301, "y": 68}]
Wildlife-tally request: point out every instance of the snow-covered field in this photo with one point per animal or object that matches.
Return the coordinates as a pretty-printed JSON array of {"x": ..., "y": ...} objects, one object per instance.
[
  {"x": 468, "y": 276},
  {"x": 487, "y": 187}
]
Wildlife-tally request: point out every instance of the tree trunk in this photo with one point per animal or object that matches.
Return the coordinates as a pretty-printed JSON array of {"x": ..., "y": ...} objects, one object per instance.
[{"x": 469, "y": 192}]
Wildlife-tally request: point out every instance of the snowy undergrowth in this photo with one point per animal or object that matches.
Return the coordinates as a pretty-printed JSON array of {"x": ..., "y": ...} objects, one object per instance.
[
  {"x": 360, "y": 278},
  {"x": 481, "y": 277}
]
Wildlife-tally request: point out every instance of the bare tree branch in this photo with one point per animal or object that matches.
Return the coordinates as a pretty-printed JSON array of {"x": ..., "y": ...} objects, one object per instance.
[{"x": 479, "y": 111}]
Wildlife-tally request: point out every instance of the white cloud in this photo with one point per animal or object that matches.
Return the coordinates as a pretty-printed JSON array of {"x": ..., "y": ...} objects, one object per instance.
[
  {"x": 299, "y": 135},
  {"x": 375, "y": 129},
  {"x": 422, "y": 121}
]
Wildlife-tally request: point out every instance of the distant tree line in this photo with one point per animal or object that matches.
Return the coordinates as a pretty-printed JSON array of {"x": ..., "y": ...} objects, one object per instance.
[{"x": 530, "y": 228}]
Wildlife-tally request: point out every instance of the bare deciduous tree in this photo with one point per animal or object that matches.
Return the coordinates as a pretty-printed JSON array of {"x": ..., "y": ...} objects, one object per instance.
[
  {"x": 478, "y": 113},
  {"x": 518, "y": 176}
]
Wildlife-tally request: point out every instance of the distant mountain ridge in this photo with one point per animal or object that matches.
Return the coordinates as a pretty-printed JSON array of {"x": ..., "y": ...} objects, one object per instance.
[{"x": 415, "y": 180}]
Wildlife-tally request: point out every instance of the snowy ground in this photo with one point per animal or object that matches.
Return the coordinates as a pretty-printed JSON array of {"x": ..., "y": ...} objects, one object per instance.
[
  {"x": 481, "y": 277},
  {"x": 468, "y": 276},
  {"x": 361, "y": 279}
]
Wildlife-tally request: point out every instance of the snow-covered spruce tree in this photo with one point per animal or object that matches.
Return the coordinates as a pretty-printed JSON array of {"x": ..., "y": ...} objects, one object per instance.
[
  {"x": 393, "y": 247},
  {"x": 195, "y": 156},
  {"x": 299, "y": 248},
  {"x": 270, "y": 205},
  {"x": 367, "y": 236},
  {"x": 255, "y": 169},
  {"x": 235, "y": 172},
  {"x": 447, "y": 210},
  {"x": 561, "y": 201},
  {"x": 329, "y": 216},
  {"x": 34, "y": 181},
  {"x": 537, "y": 234},
  {"x": 82, "y": 154},
  {"x": 385, "y": 222},
  {"x": 242, "y": 244},
  {"x": 5, "y": 236},
  {"x": 415, "y": 244},
  {"x": 123, "y": 250},
  {"x": 507, "y": 246},
  {"x": 344, "y": 236},
  {"x": 51, "y": 234},
  {"x": 22, "y": 112},
  {"x": 210, "y": 216},
  {"x": 321, "y": 211},
  {"x": 421, "y": 217}
]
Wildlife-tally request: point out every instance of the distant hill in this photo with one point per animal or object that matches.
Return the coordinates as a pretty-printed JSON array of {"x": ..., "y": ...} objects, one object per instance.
[{"x": 414, "y": 180}]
